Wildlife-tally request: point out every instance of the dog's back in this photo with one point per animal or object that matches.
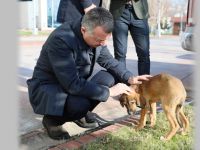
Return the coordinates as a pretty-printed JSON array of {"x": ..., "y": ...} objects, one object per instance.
[{"x": 163, "y": 86}]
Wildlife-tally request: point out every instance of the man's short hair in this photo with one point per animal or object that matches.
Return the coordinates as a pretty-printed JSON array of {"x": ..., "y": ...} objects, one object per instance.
[{"x": 98, "y": 17}]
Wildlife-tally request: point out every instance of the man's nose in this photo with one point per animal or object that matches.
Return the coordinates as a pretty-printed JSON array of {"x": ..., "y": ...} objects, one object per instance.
[{"x": 103, "y": 43}]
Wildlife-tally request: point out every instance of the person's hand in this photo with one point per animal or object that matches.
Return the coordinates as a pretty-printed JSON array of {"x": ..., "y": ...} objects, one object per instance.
[
  {"x": 119, "y": 88},
  {"x": 138, "y": 79},
  {"x": 89, "y": 8}
]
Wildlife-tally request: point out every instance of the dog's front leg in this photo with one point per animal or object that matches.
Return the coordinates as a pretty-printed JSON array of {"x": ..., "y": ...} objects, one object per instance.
[
  {"x": 142, "y": 121},
  {"x": 153, "y": 114}
]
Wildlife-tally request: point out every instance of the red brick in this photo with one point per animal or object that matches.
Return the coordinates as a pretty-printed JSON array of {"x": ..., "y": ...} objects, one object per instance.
[
  {"x": 134, "y": 117},
  {"x": 99, "y": 133},
  {"x": 132, "y": 120},
  {"x": 86, "y": 139},
  {"x": 120, "y": 125},
  {"x": 54, "y": 148},
  {"x": 111, "y": 128},
  {"x": 126, "y": 123},
  {"x": 70, "y": 145}
]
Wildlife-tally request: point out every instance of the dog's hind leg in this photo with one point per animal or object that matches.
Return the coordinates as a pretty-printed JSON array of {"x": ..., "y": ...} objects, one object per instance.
[
  {"x": 170, "y": 113},
  {"x": 184, "y": 121}
]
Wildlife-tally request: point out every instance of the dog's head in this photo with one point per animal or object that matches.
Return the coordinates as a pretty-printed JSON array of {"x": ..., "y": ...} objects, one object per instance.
[{"x": 130, "y": 102}]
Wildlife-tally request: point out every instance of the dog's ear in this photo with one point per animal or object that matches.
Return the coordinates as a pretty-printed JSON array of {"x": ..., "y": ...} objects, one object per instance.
[
  {"x": 138, "y": 99},
  {"x": 122, "y": 104},
  {"x": 122, "y": 99},
  {"x": 138, "y": 102}
]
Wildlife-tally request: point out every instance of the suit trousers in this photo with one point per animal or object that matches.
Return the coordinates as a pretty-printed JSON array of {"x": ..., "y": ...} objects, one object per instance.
[
  {"x": 76, "y": 107},
  {"x": 139, "y": 31}
]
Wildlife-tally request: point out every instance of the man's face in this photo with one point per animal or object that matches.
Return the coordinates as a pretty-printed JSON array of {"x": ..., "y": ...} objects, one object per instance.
[{"x": 97, "y": 38}]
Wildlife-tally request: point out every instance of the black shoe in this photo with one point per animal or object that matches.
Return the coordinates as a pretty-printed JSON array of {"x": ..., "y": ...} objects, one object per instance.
[
  {"x": 85, "y": 124},
  {"x": 54, "y": 130},
  {"x": 92, "y": 120},
  {"x": 93, "y": 117}
]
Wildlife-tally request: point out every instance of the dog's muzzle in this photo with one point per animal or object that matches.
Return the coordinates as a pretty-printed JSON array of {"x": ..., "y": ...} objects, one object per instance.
[{"x": 130, "y": 112}]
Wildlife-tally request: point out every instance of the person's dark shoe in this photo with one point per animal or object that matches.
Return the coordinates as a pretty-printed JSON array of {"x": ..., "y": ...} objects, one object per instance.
[
  {"x": 54, "y": 130},
  {"x": 93, "y": 117},
  {"x": 91, "y": 120},
  {"x": 85, "y": 124}
]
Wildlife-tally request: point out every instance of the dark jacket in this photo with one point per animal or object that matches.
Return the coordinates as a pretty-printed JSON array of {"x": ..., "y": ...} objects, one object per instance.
[
  {"x": 140, "y": 8},
  {"x": 63, "y": 67},
  {"x": 70, "y": 10}
]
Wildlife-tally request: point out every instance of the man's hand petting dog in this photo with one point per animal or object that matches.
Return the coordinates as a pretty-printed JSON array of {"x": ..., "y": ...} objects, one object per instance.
[
  {"x": 138, "y": 79},
  {"x": 118, "y": 89}
]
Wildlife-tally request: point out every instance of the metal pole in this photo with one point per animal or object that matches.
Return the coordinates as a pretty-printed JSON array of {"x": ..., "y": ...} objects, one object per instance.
[
  {"x": 158, "y": 20},
  {"x": 35, "y": 30}
]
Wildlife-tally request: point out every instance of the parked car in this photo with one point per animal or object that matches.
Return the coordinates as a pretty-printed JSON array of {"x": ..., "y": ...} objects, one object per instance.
[{"x": 187, "y": 36}]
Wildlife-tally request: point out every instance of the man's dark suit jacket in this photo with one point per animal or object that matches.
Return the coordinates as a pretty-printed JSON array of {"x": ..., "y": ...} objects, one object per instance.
[
  {"x": 64, "y": 66},
  {"x": 70, "y": 10},
  {"x": 140, "y": 8}
]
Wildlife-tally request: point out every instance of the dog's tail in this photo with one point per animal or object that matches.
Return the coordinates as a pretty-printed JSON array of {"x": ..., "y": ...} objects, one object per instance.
[{"x": 178, "y": 107}]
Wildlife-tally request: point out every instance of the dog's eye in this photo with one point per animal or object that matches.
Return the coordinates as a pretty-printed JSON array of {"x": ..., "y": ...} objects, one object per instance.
[{"x": 132, "y": 102}]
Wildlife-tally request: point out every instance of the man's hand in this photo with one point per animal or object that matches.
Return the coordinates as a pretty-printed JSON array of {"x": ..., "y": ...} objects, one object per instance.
[
  {"x": 138, "y": 79},
  {"x": 119, "y": 88},
  {"x": 89, "y": 8}
]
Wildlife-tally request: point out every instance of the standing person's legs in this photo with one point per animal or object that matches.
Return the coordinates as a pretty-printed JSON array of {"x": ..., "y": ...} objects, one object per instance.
[
  {"x": 120, "y": 35},
  {"x": 139, "y": 30}
]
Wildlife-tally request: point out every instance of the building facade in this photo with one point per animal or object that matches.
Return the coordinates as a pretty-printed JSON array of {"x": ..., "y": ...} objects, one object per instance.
[{"x": 38, "y": 14}]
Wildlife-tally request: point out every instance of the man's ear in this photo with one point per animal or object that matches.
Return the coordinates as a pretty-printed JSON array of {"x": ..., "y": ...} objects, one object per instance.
[{"x": 83, "y": 29}]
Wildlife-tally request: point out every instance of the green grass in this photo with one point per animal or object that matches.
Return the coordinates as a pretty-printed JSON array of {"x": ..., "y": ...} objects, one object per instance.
[{"x": 127, "y": 138}]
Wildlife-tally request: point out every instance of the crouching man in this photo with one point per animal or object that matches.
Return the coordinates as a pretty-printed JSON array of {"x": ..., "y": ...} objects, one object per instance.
[{"x": 60, "y": 88}]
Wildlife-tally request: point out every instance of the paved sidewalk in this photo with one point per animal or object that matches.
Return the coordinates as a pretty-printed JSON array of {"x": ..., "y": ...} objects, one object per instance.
[{"x": 166, "y": 56}]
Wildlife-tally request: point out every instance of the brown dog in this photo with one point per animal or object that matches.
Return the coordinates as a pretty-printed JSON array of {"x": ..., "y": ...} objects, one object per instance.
[{"x": 164, "y": 88}]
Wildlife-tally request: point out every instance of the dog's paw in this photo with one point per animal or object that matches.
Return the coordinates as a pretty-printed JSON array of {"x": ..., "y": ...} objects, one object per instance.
[
  {"x": 138, "y": 127},
  {"x": 162, "y": 138},
  {"x": 181, "y": 131},
  {"x": 152, "y": 125}
]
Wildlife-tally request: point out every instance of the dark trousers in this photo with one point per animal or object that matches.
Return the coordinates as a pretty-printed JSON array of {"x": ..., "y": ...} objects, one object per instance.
[
  {"x": 139, "y": 31},
  {"x": 77, "y": 107}
]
